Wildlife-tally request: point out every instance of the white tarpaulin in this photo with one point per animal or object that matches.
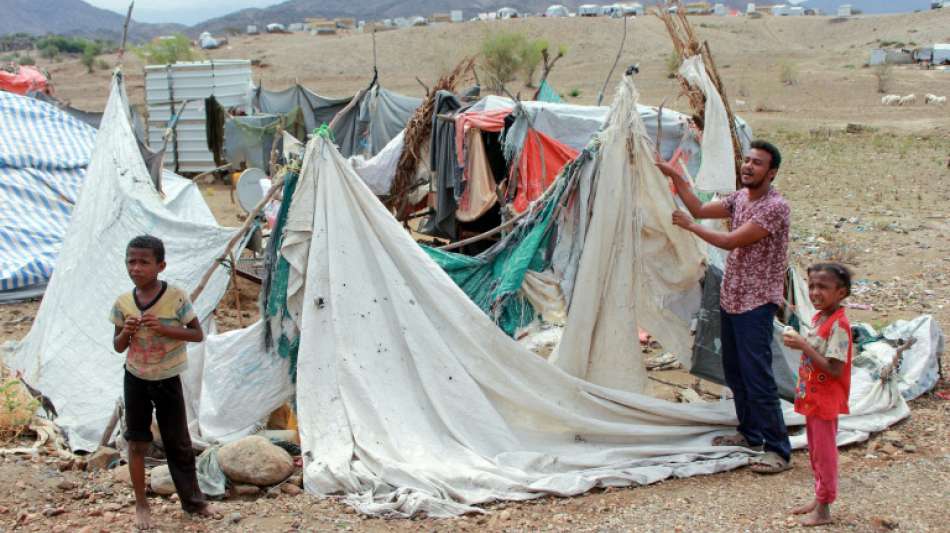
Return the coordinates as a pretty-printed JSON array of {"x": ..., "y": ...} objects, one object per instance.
[
  {"x": 68, "y": 353},
  {"x": 634, "y": 262},
  {"x": 717, "y": 172},
  {"x": 412, "y": 400}
]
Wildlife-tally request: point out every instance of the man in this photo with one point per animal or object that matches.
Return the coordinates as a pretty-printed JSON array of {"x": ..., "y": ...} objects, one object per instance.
[{"x": 752, "y": 289}]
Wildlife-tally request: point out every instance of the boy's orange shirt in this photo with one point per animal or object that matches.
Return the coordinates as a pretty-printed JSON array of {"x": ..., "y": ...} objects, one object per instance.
[{"x": 151, "y": 356}]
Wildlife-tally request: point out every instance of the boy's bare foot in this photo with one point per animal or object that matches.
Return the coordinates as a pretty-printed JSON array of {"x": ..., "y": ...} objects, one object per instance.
[
  {"x": 143, "y": 517},
  {"x": 807, "y": 508},
  {"x": 819, "y": 517}
]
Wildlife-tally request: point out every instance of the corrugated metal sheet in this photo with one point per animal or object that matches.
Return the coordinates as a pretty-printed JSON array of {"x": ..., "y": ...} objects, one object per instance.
[{"x": 167, "y": 87}]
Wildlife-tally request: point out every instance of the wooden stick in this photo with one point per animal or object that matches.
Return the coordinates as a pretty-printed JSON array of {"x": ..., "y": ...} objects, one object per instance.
[
  {"x": 485, "y": 235},
  {"x": 277, "y": 186},
  {"x": 110, "y": 427},
  {"x": 504, "y": 226},
  {"x": 600, "y": 97},
  {"x": 125, "y": 31},
  {"x": 235, "y": 290},
  {"x": 736, "y": 145}
]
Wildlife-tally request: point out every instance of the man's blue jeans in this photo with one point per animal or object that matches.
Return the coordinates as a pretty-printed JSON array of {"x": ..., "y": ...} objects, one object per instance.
[{"x": 747, "y": 365}]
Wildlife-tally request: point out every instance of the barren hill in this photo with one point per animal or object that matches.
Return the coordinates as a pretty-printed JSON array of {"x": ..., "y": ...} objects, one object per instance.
[{"x": 72, "y": 17}]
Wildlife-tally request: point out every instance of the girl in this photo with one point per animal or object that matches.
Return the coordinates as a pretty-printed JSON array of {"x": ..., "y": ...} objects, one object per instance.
[{"x": 824, "y": 381}]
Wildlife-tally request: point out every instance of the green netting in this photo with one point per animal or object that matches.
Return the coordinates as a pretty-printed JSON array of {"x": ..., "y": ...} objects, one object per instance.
[
  {"x": 493, "y": 279},
  {"x": 274, "y": 291},
  {"x": 546, "y": 93}
]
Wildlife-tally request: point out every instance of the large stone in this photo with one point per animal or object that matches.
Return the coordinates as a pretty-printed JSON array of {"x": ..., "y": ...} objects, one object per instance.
[
  {"x": 122, "y": 475},
  {"x": 102, "y": 458},
  {"x": 161, "y": 481},
  {"x": 256, "y": 461}
]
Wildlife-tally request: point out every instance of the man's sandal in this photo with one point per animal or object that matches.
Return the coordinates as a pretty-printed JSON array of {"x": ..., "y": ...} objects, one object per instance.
[{"x": 770, "y": 463}]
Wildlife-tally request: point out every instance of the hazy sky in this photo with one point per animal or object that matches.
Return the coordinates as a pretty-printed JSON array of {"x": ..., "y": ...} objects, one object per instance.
[{"x": 181, "y": 11}]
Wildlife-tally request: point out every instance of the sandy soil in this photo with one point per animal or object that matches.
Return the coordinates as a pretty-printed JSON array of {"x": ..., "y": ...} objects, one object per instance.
[{"x": 875, "y": 199}]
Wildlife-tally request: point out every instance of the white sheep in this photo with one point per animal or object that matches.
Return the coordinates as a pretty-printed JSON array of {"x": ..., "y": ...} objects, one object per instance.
[
  {"x": 910, "y": 99},
  {"x": 934, "y": 99},
  {"x": 891, "y": 99}
]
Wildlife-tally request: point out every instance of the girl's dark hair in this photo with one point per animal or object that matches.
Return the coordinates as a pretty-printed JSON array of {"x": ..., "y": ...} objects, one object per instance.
[
  {"x": 148, "y": 242},
  {"x": 837, "y": 270}
]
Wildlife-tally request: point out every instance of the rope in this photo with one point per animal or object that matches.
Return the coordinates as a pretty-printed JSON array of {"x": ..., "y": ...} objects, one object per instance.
[{"x": 325, "y": 132}]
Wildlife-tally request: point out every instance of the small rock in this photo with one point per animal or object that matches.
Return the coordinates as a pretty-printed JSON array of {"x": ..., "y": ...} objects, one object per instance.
[
  {"x": 290, "y": 488},
  {"x": 102, "y": 458},
  {"x": 65, "y": 485},
  {"x": 296, "y": 479},
  {"x": 910, "y": 448},
  {"x": 53, "y": 511},
  {"x": 893, "y": 437},
  {"x": 173, "y": 497},
  {"x": 113, "y": 507},
  {"x": 255, "y": 460},
  {"x": 505, "y": 515},
  {"x": 243, "y": 489},
  {"x": 884, "y": 523},
  {"x": 234, "y": 518},
  {"x": 273, "y": 492},
  {"x": 122, "y": 475},
  {"x": 161, "y": 481},
  {"x": 889, "y": 449}
]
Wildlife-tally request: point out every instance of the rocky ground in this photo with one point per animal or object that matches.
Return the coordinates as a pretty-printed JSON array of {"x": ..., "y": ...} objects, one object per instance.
[{"x": 872, "y": 195}]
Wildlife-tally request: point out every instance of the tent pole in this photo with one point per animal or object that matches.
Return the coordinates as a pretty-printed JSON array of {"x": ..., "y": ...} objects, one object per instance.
[
  {"x": 600, "y": 97},
  {"x": 125, "y": 31}
]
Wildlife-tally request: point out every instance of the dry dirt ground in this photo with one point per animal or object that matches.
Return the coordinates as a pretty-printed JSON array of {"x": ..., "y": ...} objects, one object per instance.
[{"x": 874, "y": 198}]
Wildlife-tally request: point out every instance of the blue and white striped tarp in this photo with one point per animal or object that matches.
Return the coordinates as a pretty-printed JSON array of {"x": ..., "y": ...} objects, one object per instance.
[{"x": 43, "y": 157}]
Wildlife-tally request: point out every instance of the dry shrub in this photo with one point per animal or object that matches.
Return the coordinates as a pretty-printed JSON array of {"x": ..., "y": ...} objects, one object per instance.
[
  {"x": 884, "y": 74},
  {"x": 17, "y": 407},
  {"x": 789, "y": 74}
]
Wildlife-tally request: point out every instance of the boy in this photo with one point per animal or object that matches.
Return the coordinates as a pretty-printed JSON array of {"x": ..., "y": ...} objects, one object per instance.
[{"x": 153, "y": 322}]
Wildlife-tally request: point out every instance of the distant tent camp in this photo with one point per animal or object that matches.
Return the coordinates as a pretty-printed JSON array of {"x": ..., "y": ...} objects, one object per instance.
[{"x": 43, "y": 157}]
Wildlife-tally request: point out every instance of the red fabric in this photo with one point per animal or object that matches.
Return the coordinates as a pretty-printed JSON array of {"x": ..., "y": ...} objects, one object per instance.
[
  {"x": 532, "y": 179},
  {"x": 487, "y": 121},
  {"x": 25, "y": 80},
  {"x": 819, "y": 394},
  {"x": 823, "y": 454}
]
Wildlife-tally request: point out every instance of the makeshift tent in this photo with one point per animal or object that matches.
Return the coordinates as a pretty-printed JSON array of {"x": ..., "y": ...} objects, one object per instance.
[
  {"x": 431, "y": 408},
  {"x": 717, "y": 171},
  {"x": 68, "y": 352},
  {"x": 89, "y": 117},
  {"x": 447, "y": 175},
  {"x": 249, "y": 140},
  {"x": 371, "y": 119},
  {"x": 43, "y": 157},
  {"x": 316, "y": 109},
  {"x": 24, "y": 79}
]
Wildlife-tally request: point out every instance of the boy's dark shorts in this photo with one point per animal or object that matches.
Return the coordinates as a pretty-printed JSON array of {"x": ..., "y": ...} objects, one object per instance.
[{"x": 142, "y": 396}]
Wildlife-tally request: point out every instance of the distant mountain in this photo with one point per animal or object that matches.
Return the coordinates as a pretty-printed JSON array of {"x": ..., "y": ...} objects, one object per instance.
[{"x": 73, "y": 17}]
